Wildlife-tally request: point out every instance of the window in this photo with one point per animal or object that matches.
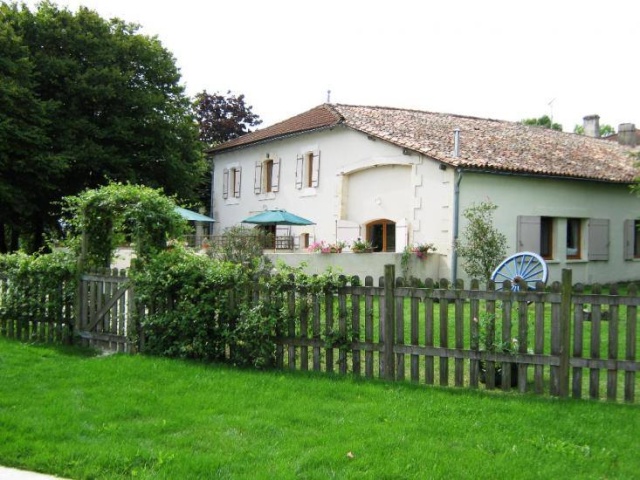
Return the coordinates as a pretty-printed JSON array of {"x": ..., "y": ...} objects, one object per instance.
[
  {"x": 267, "y": 176},
  {"x": 546, "y": 237},
  {"x": 304, "y": 240},
  {"x": 542, "y": 235},
  {"x": 631, "y": 239},
  {"x": 382, "y": 235},
  {"x": 308, "y": 170},
  {"x": 231, "y": 182},
  {"x": 574, "y": 227}
]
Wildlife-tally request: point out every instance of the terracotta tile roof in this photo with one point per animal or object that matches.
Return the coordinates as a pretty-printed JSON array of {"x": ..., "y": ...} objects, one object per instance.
[
  {"x": 318, "y": 117},
  {"x": 494, "y": 145}
]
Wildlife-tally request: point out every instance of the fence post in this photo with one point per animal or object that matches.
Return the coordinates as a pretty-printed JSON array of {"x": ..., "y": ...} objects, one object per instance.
[
  {"x": 565, "y": 328},
  {"x": 389, "y": 323}
]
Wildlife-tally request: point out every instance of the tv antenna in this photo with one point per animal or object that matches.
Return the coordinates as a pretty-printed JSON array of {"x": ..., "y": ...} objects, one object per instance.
[{"x": 551, "y": 109}]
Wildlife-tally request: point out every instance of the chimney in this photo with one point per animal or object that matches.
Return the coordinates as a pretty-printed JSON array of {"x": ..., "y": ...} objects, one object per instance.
[
  {"x": 456, "y": 142},
  {"x": 591, "y": 125},
  {"x": 627, "y": 134}
]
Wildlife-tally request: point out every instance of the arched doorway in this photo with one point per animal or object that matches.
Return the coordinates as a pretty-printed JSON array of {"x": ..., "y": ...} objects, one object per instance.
[{"x": 382, "y": 235}]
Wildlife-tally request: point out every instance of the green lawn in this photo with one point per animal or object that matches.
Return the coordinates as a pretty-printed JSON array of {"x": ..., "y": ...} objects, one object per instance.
[{"x": 80, "y": 416}]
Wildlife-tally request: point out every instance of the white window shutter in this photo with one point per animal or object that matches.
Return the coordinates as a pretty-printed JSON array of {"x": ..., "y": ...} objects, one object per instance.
[
  {"x": 257, "y": 181},
  {"x": 275, "y": 175},
  {"x": 236, "y": 191},
  {"x": 528, "y": 234},
  {"x": 315, "y": 175},
  {"x": 629, "y": 238},
  {"x": 598, "y": 239},
  {"x": 225, "y": 183},
  {"x": 299, "y": 168}
]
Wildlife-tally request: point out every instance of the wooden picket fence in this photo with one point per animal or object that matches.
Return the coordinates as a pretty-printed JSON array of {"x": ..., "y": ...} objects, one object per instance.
[
  {"x": 428, "y": 335},
  {"x": 569, "y": 343},
  {"x": 33, "y": 312}
]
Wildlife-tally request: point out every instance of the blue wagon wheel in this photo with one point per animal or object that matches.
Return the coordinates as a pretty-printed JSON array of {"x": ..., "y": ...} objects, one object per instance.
[{"x": 527, "y": 266}]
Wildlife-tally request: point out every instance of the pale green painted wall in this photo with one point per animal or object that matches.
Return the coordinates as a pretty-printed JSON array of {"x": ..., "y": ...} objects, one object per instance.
[{"x": 516, "y": 195}]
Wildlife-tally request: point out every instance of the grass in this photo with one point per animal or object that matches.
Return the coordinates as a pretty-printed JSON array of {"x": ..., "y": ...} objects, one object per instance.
[{"x": 70, "y": 413}]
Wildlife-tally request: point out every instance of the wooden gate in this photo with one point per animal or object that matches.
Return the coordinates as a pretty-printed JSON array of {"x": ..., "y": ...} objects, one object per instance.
[{"x": 105, "y": 311}]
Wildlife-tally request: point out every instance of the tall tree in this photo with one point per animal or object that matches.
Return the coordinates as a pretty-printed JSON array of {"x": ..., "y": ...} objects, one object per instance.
[
  {"x": 115, "y": 109},
  {"x": 26, "y": 172},
  {"x": 544, "y": 121},
  {"x": 223, "y": 117}
]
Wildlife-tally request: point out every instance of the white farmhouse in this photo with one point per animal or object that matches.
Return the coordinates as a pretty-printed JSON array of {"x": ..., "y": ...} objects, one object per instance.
[{"x": 399, "y": 177}]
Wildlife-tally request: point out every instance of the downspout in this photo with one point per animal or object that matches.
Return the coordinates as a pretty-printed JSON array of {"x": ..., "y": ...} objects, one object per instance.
[
  {"x": 212, "y": 202},
  {"x": 456, "y": 225},
  {"x": 456, "y": 208}
]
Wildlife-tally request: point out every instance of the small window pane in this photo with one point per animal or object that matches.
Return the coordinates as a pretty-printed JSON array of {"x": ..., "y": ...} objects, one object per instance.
[
  {"x": 546, "y": 237},
  {"x": 268, "y": 172},
  {"x": 573, "y": 238},
  {"x": 636, "y": 239}
]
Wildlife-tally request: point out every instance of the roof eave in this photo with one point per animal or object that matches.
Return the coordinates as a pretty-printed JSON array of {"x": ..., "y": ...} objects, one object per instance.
[
  {"x": 552, "y": 176},
  {"x": 215, "y": 151}
]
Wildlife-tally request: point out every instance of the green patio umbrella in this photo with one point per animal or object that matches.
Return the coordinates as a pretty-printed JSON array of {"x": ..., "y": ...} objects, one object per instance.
[
  {"x": 193, "y": 216},
  {"x": 277, "y": 217}
]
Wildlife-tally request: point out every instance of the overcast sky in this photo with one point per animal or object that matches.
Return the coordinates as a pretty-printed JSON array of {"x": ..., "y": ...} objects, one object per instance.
[{"x": 502, "y": 59}]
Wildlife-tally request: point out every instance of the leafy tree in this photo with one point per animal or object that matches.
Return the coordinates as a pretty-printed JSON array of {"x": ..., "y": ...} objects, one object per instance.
[
  {"x": 112, "y": 109},
  {"x": 482, "y": 247},
  {"x": 26, "y": 172},
  {"x": 605, "y": 130},
  {"x": 223, "y": 117},
  {"x": 544, "y": 121}
]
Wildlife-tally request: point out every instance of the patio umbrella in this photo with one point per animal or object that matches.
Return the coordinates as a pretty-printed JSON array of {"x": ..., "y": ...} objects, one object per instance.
[
  {"x": 193, "y": 216},
  {"x": 273, "y": 218},
  {"x": 277, "y": 217}
]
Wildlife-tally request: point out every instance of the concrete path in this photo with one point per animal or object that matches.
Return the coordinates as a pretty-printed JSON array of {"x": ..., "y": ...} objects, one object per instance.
[{"x": 13, "y": 474}]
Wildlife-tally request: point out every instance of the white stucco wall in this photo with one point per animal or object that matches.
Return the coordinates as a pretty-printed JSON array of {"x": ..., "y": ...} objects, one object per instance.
[{"x": 360, "y": 180}]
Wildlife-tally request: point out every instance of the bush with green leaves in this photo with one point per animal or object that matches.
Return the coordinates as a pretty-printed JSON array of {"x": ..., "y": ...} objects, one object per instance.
[
  {"x": 243, "y": 246},
  {"x": 106, "y": 217},
  {"x": 482, "y": 246},
  {"x": 252, "y": 338},
  {"x": 39, "y": 287},
  {"x": 192, "y": 302}
]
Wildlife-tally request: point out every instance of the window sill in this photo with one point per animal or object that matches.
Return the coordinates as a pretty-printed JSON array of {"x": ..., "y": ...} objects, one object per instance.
[
  {"x": 266, "y": 196},
  {"x": 308, "y": 192},
  {"x": 232, "y": 201}
]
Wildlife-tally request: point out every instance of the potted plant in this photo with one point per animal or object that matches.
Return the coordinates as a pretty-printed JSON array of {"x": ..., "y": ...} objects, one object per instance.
[
  {"x": 486, "y": 341},
  {"x": 318, "y": 247},
  {"x": 324, "y": 247},
  {"x": 337, "y": 247},
  {"x": 420, "y": 250},
  {"x": 361, "y": 246}
]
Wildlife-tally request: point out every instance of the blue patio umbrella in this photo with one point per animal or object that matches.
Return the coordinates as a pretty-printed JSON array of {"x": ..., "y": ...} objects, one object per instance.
[
  {"x": 193, "y": 216},
  {"x": 277, "y": 217}
]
